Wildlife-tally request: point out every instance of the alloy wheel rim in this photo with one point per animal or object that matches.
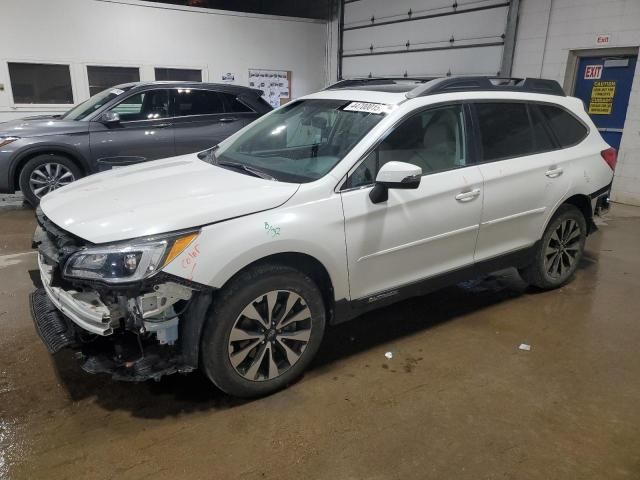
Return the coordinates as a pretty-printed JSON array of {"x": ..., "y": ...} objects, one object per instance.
[
  {"x": 562, "y": 249},
  {"x": 270, "y": 335},
  {"x": 49, "y": 177}
]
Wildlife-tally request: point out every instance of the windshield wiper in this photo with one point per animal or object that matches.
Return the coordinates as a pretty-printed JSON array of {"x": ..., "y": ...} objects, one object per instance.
[
  {"x": 208, "y": 156},
  {"x": 245, "y": 168}
]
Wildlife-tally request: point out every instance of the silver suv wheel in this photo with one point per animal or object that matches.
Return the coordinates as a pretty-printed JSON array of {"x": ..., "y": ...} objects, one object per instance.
[
  {"x": 270, "y": 335},
  {"x": 48, "y": 177},
  {"x": 562, "y": 249}
]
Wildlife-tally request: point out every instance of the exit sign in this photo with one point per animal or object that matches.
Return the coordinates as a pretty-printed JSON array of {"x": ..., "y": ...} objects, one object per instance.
[
  {"x": 593, "y": 72},
  {"x": 602, "y": 39}
]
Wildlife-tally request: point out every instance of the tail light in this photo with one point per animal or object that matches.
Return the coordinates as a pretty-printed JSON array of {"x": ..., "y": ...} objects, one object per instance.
[{"x": 610, "y": 155}]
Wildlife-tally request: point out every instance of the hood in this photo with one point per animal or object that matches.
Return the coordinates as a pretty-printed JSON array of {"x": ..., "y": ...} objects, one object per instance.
[
  {"x": 158, "y": 197},
  {"x": 41, "y": 125}
]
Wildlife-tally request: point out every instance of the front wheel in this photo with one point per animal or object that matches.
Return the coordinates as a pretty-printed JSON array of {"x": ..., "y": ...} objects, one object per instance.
[
  {"x": 560, "y": 250},
  {"x": 265, "y": 328},
  {"x": 46, "y": 173}
]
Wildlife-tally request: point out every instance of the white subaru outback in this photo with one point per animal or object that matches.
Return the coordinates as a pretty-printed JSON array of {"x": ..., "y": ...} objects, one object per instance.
[{"x": 234, "y": 260}]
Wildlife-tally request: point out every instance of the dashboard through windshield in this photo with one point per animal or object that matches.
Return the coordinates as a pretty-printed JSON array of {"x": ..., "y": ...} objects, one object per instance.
[{"x": 302, "y": 141}]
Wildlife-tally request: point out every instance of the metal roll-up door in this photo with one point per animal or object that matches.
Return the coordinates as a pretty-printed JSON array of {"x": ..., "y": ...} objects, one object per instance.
[{"x": 419, "y": 38}]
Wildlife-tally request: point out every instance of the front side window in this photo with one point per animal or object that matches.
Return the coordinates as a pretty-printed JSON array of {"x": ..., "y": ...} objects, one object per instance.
[
  {"x": 566, "y": 128},
  {"x": 434, "y": 140},
  {"x": 149, "y": 105},
  {"x": 40, "y": 83},
  {"x": 300, "y": 142},
  {"x": 197, "y": 102},
  {"x": 86, "y": 108},
  {"x": 101, "y": 78},
  {"x": 505, "y": 130}
]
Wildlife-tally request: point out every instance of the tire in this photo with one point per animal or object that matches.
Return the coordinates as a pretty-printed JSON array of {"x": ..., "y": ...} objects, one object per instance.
[
  {"x": 560, "y": 250},
  {"x": 45, "y": 173},
  {"x": 241, "y": 365}
]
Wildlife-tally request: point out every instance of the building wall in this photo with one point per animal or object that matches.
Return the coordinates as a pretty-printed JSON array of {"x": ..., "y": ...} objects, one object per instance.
[
  {"x": 549, "y": 29},
  {"x": 148, "y": 35}
]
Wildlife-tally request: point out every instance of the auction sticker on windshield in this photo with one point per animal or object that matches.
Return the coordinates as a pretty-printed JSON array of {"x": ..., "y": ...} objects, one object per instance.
[
  {"x": 117, "y": 91},
  {"x": 375, "y": 108}
]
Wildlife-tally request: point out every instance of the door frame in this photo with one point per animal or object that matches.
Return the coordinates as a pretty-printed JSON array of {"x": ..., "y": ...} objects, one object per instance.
[{"x": 574, "y": 57}]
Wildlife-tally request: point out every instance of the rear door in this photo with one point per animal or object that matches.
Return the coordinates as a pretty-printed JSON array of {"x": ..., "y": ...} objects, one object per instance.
[
  {"x": 525, "y": 175},
  {"x": 144, "y": 132},
  {"x": 202, "y": 119}
]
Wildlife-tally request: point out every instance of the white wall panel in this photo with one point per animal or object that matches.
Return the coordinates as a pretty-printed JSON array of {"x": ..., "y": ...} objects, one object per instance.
[
  {"x": 144, "y": 34},
  {"x": 479, "y": 30},
  {"x": 475, "y": 61},
  {"x": 484, "y": 25}
]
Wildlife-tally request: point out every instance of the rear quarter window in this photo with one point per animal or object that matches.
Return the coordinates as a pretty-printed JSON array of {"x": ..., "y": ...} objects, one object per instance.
[{"x": 567, "y": 129}]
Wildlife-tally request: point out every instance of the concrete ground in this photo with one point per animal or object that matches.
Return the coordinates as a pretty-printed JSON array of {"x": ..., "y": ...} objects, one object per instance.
[{"x": 457, "y": 400}]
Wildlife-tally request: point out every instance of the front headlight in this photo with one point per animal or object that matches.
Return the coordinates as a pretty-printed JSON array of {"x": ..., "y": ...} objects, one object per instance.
[
  {"x": 7, "y": 140},
  {"x": 127, "y": 262}
]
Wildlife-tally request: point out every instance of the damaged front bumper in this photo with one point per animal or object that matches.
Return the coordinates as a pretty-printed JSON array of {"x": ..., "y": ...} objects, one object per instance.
[
  {"x": 134, "y": 332},
  {"x": 84, "y": 308}
]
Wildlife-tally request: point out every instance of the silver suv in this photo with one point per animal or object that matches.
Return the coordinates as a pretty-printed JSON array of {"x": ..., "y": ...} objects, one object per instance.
[{"x": 120, "y": 126}]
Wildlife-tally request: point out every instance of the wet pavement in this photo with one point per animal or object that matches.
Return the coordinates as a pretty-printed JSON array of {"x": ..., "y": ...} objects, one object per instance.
[{"x": 458, "y": 399}]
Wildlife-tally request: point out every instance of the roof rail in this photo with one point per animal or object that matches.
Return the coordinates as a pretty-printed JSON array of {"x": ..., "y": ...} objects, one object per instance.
[
  {"x": 358, "y": 82},
  {"x": 477, "y": 83}
]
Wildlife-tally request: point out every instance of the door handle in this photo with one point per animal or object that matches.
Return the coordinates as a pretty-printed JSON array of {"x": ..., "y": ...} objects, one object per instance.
[
  {"x": 227, "y": 120},
  {"x": 554, "y": 172},
  {"x": 468, "y": 196},
  {"x": 161, "y": 125}
]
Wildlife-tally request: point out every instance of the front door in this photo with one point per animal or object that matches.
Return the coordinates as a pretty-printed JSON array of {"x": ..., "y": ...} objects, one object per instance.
[
  {"x": 144, "y": 132},
  {"x": 604, "y": 85},
  {"x": 419, "y": 233}
]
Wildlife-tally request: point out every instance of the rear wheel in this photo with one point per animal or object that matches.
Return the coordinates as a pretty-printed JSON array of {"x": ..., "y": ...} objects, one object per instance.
[
  {"x": 264, "y": 330},
  {"x": 560, "y": 250},
  {"x": 46, "y": 173}
]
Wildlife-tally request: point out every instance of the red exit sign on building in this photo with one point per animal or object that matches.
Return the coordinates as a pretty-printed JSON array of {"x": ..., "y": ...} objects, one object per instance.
[
  {"x": 602, "y": 39},
  {"x": 593, "y": 72}
]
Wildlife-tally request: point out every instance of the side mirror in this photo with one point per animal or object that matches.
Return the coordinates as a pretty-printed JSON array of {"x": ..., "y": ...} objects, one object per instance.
[
  {"x": 110, "y": 117},
  {"x": 399, "y": 175}
]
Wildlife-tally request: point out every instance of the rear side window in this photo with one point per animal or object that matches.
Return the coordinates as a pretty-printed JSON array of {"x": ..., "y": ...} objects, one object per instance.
[
  {"x": 505, "y": 130},
  {"x": 542, "y": 138},
  {"x": 197, "y": 102},
  {"x": 232, "y": 104},
  {"x": 566, "y": 128}
]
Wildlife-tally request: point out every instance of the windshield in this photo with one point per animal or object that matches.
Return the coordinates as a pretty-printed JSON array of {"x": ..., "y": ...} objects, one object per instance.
[
  {"x": 87, "y": 107},
  {"x": 302, "y": 141}
]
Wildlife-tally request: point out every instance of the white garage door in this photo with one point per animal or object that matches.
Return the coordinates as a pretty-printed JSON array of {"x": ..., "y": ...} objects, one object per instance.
[{"x": 423, "y": 37}]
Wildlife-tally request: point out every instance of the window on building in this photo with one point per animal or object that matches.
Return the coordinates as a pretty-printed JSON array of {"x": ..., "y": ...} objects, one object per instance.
[
  {"x": 101, "y": 78},
  {"x": 434, "y": 140},
  {"x": 185, "y": 74},
  {"x": 40, "y": 83},
  {"x": 232, "y": 104},
  {"x": 566, "y": 128},
  {"x": 198, "y": 102},
  {"x": 149, "y": 105},
  {"x": 505, "y": 130}
]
